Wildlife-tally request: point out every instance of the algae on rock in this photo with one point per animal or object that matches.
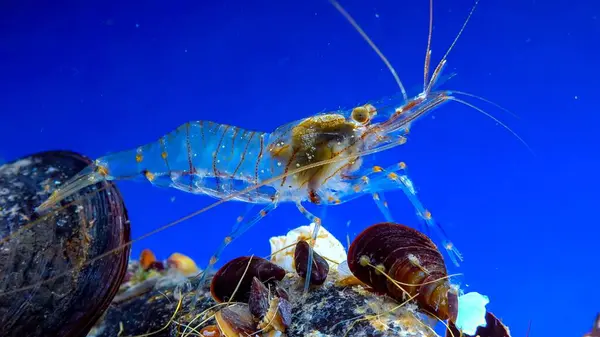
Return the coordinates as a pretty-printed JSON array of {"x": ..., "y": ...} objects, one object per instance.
[{"x": 329, "y": 310}]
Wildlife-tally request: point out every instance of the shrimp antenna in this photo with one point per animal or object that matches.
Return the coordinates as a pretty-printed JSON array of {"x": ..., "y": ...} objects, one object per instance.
[
  {"x": 442, "y": 62},
  {"x": 428, "y": 51},
  {"x": 472, "y": 106},
  {"x": 441, "y": 65},
  {"x": 372, "y": 44}
]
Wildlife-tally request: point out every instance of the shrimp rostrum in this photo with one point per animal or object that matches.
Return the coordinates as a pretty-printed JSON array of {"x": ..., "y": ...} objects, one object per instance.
[{"x": 318, "y": 160}]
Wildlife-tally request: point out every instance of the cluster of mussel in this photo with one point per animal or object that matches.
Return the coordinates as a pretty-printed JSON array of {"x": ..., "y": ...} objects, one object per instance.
[
  {"x": 386, "y": 258},
  {"x": 262, "y": 305}
]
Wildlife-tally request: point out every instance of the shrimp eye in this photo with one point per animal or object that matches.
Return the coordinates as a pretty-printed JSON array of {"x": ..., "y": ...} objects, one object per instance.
[{"x": 361, "y": 115}]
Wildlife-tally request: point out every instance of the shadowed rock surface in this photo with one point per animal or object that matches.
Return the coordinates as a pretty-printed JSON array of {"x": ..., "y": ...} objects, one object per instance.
[{"x": 314, "y": 315}]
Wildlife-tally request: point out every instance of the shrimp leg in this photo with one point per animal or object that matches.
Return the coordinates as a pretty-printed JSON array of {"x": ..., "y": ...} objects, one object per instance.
[
  {"x": 380, "y": 180},
  {"x": 317, "y": 221},
  {"x": 380, "y": 199},
  {"x": 382, "y": 204},
  {"x": 378, "y": 196},
  {"x": 240, "y": 227},
  {"x": 407, "y": 187}
]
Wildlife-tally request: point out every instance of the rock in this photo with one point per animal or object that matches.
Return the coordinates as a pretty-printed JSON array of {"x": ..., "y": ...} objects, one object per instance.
[{"x": 317, "y": 314}]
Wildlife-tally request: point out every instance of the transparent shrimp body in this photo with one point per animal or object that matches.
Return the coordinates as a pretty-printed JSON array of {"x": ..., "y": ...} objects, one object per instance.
[
  {"x": 219, "y": 160},
  {"x": 318, "y": 160},
  {"x": 199, "y": 157}
]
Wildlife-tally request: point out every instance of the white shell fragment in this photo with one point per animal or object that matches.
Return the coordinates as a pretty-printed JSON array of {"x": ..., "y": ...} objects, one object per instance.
[
  {"x": 343, "y": 269},
  {"x": 471, "y": 312},
  {"x": 326, "y": 245}
]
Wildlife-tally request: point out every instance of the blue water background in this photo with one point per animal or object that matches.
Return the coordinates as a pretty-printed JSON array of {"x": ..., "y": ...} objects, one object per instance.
[{"x": 103, "y": 76}]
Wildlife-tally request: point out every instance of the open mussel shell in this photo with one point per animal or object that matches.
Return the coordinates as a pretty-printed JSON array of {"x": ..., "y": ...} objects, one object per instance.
[
  {"x": 494, "y": 328},
  {"x": 320, "y": 267},
  {"x": 236, "y": 320},
  {"x": 407, "y": 256},
  {"x": 272, "y": 312},
  {"x": 55, "y": 246},
  {"x": 241, "y": 271},
  {"x": 259, "y": 299}
]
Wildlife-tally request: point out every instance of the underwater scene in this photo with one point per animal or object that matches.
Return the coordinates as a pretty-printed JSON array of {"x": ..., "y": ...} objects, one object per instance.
[{"x": 299, "y": 168}]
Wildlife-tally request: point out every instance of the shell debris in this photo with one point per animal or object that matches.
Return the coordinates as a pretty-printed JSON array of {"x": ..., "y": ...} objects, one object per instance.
[
  {"x": 184, "y": 264},
  {"x": 326, "y": 245}
]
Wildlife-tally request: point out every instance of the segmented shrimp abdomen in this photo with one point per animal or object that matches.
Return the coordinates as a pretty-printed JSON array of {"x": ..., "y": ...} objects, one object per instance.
[
  {"x": 229, "y": 152},
  {"x": 199, "y": 157}
]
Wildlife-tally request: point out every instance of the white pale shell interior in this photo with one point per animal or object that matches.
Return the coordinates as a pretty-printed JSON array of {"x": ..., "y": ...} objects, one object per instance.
[{"x": 326, "y": 245}]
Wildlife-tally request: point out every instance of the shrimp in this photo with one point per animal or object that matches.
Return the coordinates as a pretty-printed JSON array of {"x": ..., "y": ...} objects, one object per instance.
[{"x": 318, "y": 159}]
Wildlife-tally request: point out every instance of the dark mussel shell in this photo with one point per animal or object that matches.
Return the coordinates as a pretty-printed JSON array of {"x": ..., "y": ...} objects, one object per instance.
[
  {"x": 281, "y": 293},
  {"x": 35, "y": 248},
  {"x": 407, "y": 256},
  {"x": 236, "y": 321},
  {"x": 273, "y": 312},
  {"x": 494, "y": 328},
  {"x": 595, "y": 328},
  {"x": 320, "y": 267},
  {"x": 156, "y": 265},
  {"x": 226, "y": 279},
  {"x": 258, "y": 301}
]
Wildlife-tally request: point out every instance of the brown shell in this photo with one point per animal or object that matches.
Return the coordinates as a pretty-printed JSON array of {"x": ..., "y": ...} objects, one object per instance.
[
  {"x": 320, "y": 267},
  {"x": 408, "y": 256},
  {"x": 281, "y": 293},
  {"x": 595, "y": 328},
  {"x": 278, "y": 316},
  {"x": 226, "y": 279},
  {"x": 258, "y": 301},
  {"x": 36, "y": 248},
  {"x": 272, "y": 312},
  {"x": 494, "y": 328},
  {"x": 236, "y": 321},
  {"x": 156, "y": 265}
]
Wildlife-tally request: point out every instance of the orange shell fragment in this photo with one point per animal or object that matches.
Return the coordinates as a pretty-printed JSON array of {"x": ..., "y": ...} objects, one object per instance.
[{"x": 147, "y": 258}]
